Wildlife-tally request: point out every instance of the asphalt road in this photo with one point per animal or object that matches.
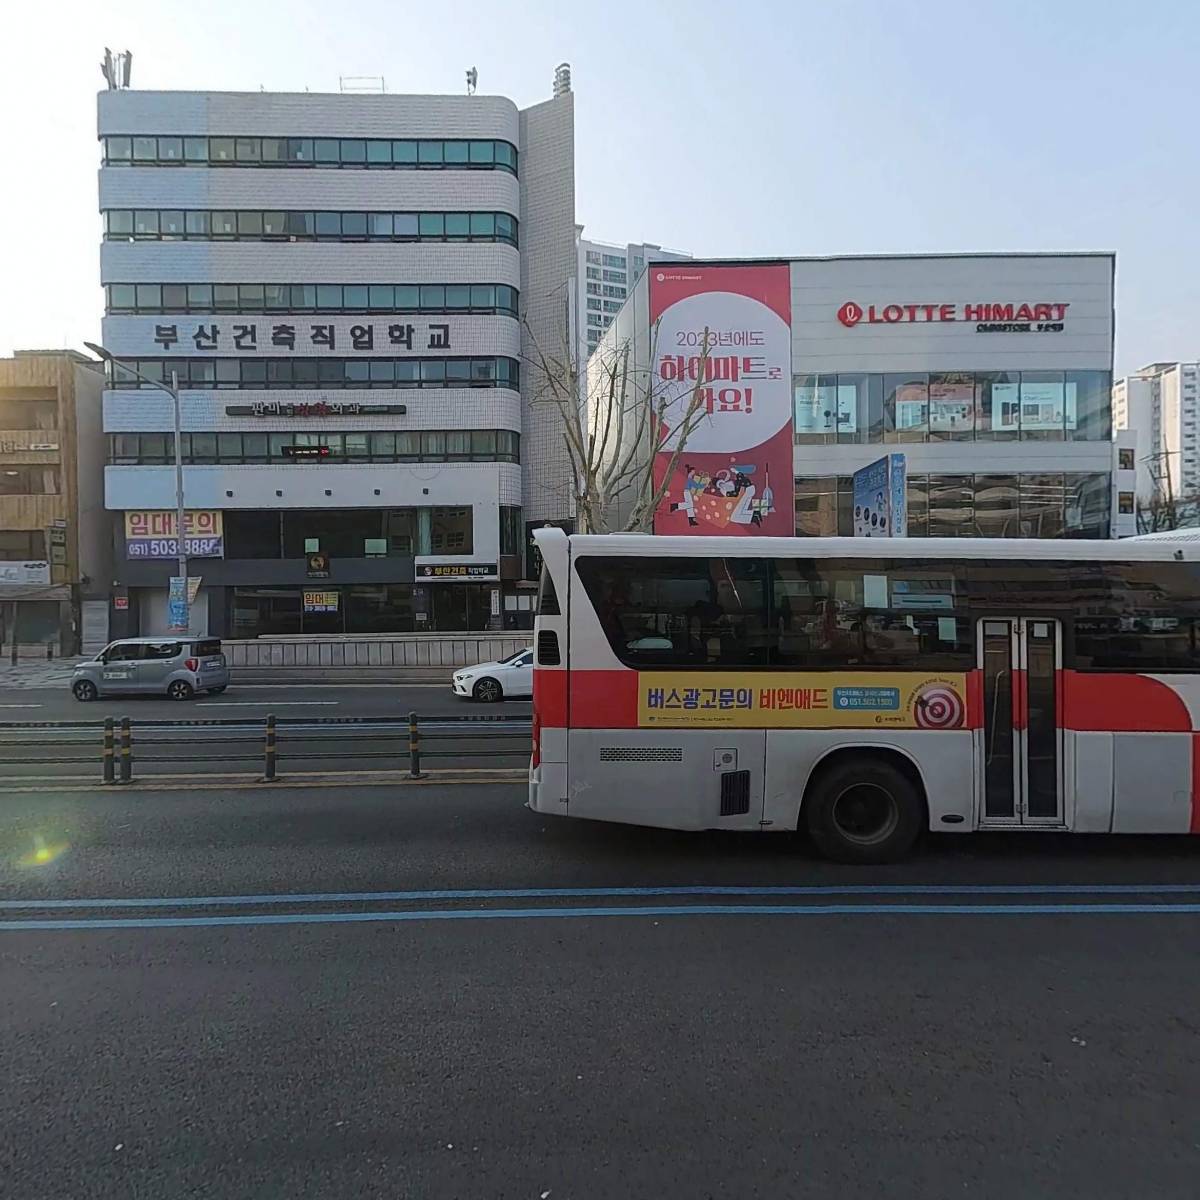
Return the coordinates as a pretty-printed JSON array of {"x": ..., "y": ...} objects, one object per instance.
[{"x": 299, "y": 1038}]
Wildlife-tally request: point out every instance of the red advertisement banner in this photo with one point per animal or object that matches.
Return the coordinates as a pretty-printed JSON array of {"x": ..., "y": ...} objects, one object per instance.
[{"x": 737, "y": 453}]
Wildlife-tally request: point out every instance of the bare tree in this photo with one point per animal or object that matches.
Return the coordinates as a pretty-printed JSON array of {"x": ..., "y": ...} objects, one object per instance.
[
  {"x": 617, "y": 416},
  {"x": 1165, "y": 510}
]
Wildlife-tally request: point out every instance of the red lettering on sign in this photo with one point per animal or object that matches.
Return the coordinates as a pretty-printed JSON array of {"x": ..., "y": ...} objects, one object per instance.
[{"x": 851, "y": 313}]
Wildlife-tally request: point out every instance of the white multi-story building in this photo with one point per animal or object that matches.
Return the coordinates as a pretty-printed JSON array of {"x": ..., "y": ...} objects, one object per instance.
[
  {"x": 605, "y": 273},
  {"x": 990, "y": 373},
  {"x": 1161, "y": 403},
  {"x": 338, "y": 283}
]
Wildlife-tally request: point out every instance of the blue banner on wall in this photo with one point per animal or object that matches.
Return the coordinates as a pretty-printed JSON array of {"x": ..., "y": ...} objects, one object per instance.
[{"x": 880, "y": 498}]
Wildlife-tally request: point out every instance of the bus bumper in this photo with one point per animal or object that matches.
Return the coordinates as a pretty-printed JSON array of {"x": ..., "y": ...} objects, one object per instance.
[{"x": 548, "y": 788}]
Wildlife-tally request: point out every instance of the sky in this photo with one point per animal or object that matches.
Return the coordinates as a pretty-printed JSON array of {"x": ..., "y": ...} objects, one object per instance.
[{"x": 765, "y": 127}]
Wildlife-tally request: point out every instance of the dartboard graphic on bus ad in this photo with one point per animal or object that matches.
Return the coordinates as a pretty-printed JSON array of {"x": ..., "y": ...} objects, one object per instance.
[{"x": 722, "y": 373}]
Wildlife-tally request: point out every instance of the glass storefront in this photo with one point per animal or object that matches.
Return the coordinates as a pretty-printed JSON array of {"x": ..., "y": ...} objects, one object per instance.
[
  {"x": 348, "y": 532},
  {"x": 940, "y": 406},
  {"x": 360, "y": 608},
  {"x": 1072, "y": 504}
]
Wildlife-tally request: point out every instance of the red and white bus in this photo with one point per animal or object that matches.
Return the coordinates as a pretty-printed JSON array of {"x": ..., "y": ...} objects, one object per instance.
[{"x": 867, "y": 689}]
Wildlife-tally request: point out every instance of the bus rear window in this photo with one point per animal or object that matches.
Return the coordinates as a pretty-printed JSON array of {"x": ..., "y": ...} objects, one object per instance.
[{"x": 547, "y": 596}]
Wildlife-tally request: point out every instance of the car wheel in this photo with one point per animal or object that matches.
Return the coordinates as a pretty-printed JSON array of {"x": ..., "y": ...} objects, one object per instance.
[
  {"x": 217, "y": 690},
  {"x": 180, "y": 690},
  {"x": 85, "y": 690},
  {"x": 487, "y": 691},
  {"x": 864, "y": 812}
]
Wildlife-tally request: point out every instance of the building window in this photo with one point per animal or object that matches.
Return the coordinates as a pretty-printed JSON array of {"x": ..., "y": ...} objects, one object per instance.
[
  {"x": 612, "y": 306},
  {"x": 450, "y": 531},
  {"x": 369, "y": 532},
  {"x": 22, "y": 544},
  {"x": 302, "y": 447},
  {"x": 593, "y": 257},
  {"x": 1045, "y": 505},
  {"x": 16, "y": 413},
  {"x": 593, "y": 272},
  {"x": 29, "y": 480},
  {"x": 512, "y": 532},
  {"x": 613, "y": 260},
  {"x": 593, "y": 289},
  {"x": 1125, "y": 503},
  {"x": 610, "y": 290},
  {"x": 614, "y": 276},
  {"x": 593, "y": 304},
  {"x": 292, "y": 373},
  {"x": 277, "y": 225},
  {"x": 951, "y": 406},
  {"x": 1125, "y": 460},
  {"x": 255, "y": 298},
  {"x": 371, "y": 154}
]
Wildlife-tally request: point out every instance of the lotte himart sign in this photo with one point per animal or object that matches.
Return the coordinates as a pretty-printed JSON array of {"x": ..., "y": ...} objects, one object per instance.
[{"x": 991, "y": 317}]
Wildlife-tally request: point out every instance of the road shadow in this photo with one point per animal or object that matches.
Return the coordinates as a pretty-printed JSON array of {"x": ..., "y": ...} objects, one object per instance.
[{"x": 981, "y": 858}]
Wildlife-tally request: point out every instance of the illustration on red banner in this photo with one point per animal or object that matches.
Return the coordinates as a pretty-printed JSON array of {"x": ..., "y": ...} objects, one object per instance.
[{"x": 726, "y": 496}]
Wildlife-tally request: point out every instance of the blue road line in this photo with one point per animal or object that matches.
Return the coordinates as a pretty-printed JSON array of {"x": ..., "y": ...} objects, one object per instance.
[
  {"x": 863, "y": 889},
  {"x": 689, "y": 910}
]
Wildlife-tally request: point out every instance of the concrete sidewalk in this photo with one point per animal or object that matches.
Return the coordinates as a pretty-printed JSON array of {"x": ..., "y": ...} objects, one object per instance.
[{"x": 56, "y": 673}]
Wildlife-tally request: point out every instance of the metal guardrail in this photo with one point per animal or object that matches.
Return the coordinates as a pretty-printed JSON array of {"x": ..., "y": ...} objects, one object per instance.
[{"x": 415, "y": 740}]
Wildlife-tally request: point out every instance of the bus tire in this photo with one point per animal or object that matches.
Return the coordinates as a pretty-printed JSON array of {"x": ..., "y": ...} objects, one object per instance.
[{"x": 864, "y": 810}]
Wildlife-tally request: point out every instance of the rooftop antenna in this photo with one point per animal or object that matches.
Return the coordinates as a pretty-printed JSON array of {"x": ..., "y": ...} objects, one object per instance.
[
  {"x": 116, "y": 69},
  {"x": 562, "y": 79},
  {"x": 472, "y": 80}
]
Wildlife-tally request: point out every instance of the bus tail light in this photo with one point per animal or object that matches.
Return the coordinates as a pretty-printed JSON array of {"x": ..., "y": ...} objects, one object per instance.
[{"x": 536, "y": 758}]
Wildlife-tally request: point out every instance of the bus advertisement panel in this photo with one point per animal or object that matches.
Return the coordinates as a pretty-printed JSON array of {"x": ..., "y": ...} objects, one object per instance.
[
  {"x": 730, "y": 403},
  {"x": 807, "y": 700}
]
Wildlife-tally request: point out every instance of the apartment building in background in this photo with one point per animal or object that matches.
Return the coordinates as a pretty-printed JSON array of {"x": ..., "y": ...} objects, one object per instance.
[
  {"x": 1160, "y": 403},
  {"x": 606, "y": 272},
  {"x": 55, "y": 566},
  {"x": 344, "y": 287}
]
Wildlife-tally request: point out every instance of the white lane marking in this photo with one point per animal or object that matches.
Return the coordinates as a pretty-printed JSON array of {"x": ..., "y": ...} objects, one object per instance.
[
  {"x": 323, "y": 687},
  {"x": 20, "y": 706},
  {"x": 261, "y": 703}
]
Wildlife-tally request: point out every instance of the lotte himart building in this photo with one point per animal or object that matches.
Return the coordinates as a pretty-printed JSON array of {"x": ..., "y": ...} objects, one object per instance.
[{"x": 990, "y": 373}]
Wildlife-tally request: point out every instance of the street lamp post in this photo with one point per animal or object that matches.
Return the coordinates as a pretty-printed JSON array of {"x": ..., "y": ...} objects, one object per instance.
[{"x": 180, "y": 514}]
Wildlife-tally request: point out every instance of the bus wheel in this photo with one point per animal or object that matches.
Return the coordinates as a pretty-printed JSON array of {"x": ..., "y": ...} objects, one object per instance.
[{"x": 864, "y": 811}]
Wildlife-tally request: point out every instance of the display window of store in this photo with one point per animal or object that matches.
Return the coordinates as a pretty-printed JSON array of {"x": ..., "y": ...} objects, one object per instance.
[
  {"x": 348, "y": 532},
  {"x": 1072, "y": 504},
  {"x": 321, "y": 609},
  {"x": 938, "y": 406}
]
